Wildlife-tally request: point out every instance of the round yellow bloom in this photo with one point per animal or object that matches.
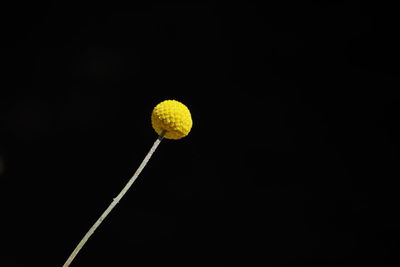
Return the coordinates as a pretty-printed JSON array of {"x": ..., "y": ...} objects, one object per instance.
[{"x": 173, "y": 117}]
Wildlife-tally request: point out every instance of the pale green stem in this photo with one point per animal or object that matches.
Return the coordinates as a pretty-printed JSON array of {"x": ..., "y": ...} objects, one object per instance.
[{"x": 115, "y": 201}]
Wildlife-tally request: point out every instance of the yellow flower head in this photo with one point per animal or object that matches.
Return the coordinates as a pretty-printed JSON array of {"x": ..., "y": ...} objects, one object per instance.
[{"x": 173, "y": 117}]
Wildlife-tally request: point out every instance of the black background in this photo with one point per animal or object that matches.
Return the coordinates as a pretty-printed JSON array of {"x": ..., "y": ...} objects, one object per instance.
[{"x": 292, "y": 159}]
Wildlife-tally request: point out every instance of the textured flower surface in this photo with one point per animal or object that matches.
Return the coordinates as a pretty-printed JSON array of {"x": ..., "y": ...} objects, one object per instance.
[{"x": 173, "y": 117}]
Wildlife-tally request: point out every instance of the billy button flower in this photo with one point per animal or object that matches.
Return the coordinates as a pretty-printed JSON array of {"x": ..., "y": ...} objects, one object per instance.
[
  {"x": 173, "y": 117},
  {"x": 170, "y": 119}
]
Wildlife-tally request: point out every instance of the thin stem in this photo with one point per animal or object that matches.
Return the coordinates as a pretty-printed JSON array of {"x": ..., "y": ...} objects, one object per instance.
[{"x": 115, "y": 201}]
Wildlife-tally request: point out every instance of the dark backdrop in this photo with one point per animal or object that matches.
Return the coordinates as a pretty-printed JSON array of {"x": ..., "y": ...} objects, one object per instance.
[{"x": 292, "y": 159}]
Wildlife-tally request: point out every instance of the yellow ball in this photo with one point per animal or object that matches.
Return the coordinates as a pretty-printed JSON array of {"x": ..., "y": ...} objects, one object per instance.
[{"x": 173, "y": 117}]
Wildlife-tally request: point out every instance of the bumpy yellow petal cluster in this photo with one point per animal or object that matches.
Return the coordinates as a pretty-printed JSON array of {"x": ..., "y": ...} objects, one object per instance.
[{"x": 173, "y": 117}]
